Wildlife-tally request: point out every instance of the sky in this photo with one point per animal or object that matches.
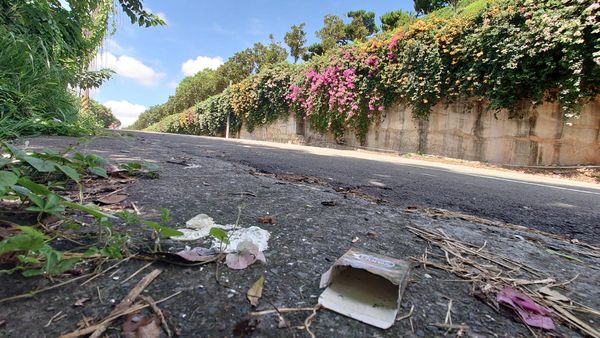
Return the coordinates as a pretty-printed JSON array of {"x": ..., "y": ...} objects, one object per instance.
[{"x": 150, "y": 62}]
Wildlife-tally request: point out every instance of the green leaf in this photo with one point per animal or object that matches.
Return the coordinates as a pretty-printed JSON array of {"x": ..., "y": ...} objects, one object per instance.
[
  {"x": 70, "y": 172},
  {"x": 98, "y": 171},
  {"x": 7, "y": 179},
  {"x": 28, "y": 239},
  {"x": 3, "y": 161},
  {"x": 219, "y": 234},
  {"x": 14, "y": 150},
  {"x": 165, "y": 215},
  {"x": 39, "y": 164},
  {"x": 33, "y": 273},
  {"x": 153, "y": 225},
  {"x": 33, "y": 187},
  {"x": 169, "y": 232},
  {"x": 88, "y": 209},
  {"x": 37, "y": 200}
]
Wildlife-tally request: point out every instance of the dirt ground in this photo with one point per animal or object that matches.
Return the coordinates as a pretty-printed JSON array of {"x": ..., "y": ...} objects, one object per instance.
[{"x": 305, "y": 240}]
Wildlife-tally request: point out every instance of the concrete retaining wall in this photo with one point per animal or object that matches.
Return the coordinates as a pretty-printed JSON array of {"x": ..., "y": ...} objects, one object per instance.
[{"x": 467, "y": 131}]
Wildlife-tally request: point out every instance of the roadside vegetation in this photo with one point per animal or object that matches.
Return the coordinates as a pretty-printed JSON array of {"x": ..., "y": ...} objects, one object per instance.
[
  {"x": 45, "y": 52},
  {"x": 508, "y": 54}
]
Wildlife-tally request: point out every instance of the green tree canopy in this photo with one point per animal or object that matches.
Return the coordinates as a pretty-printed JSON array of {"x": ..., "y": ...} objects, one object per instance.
[
  {"x": 361, "y": 26},
  {"x": 394, "y": 19},
  {"x": 295, "y": 39},
  {"x": 333, "y": 31},
  {"x": 428, "y": 6}
]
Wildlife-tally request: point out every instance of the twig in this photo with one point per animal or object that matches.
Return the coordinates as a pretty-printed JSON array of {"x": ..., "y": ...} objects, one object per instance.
[
  {"x": 132, "y": 309},
  {"x": 35, "y": 292},
  {"x": 128, "y": 300},
  {"x": 99, "y": 295},
  {"x": 138, "y": 271},
  {"x": 243, "y": 193},
  {"x": 103, "y": 272},
  {"x": 412, "y": 308},
  {"x": 53, "y": 318},
  {"x": 309, "y": 320},
  {"x": 135, "y": 208},
  {"x": 159, "y": 313},
  {"x": 450, "y": 326},
  {"x": 283, "y": 310},
  {"x": 448, "y": 319}
]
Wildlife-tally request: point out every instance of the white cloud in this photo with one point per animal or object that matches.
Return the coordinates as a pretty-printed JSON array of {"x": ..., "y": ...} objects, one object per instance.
[
  {"x": 129, "y": 67},
  {"x": 192, "y": 66},
  {"x": 112, "y": 46},
  {"x": 125, "y": 111}
]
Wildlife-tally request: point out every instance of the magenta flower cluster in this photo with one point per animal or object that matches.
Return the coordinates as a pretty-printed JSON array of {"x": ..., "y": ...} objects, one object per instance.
[{"x": 337, "y": 86}]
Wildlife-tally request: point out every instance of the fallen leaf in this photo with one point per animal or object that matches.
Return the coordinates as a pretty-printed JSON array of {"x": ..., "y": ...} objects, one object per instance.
[
  {"x": 138, "y": 326},
  {"x": 328, "y": 203},
  {"x": 247, "y": 253},
  {"x": 372, "y": 234},
  {"x": 266, "y": 219},
  {"x": 80, "y": 302},
  {"x": 553, "y": 295},
  {"x": 529, "y": 311},
  {"x": 111, "y": 199},
  {"x": 245, "y": 328},
  {"x": 197, "y": 254},
  {"x": 281, "y": 322},
  {"x": 255, "y": 291},
  {"x": 111, "y": 169}
]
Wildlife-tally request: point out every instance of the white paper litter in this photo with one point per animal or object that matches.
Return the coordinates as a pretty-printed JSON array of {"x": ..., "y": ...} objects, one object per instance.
[
  {"x": 258, "y": 236},
  {"x": 198, "y": 227}
]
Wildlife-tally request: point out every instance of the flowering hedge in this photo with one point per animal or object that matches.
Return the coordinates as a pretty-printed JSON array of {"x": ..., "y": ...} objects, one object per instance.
[
  {"x": 509, "y": 52},
  {"x": 208, "y": 117}
]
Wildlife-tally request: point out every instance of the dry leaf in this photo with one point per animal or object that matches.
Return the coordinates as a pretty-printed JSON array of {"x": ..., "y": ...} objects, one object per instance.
[
  {"x": 266, "y": 219},
  {"x": 247, "y": 253},
  {"x": 111, "y": 199},
  {"x": 255, "y": 292},
  {"x": 80, "y": 302},
  {"x": 553, "y": 295},
  {"x": 197, "y": 254},
  {"x": 138, "y": 326},
  {"x": 245, "y": 328}
]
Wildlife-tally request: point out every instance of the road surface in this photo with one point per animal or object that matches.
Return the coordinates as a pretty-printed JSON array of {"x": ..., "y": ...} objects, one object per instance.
[{"x": 554, "y": 205}]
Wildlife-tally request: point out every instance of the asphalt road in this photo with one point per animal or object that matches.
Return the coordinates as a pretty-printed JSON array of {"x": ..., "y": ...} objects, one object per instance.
[{"x": 558, "y": 206}]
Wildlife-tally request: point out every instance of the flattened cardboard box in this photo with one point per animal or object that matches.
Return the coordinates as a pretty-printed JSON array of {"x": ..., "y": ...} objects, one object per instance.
[{"x": 365, "y": 286}]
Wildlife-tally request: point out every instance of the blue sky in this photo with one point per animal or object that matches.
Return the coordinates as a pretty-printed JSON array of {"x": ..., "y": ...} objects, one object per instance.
[{"x": 149, "y": 62}]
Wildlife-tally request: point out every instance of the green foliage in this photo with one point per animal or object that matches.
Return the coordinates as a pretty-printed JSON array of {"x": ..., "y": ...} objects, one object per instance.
[
  {"x": 295, "y": 39},
  {"x": 219, "y": 234},
  {"x": 361, "y": 26},
  {"x": 392, "y": 20},
  {"x": 195, "y": 89},
  {"x": 428, "y": 6},
  {"x": 333, "y": 32},
  {"x": 501, "y": 52},
  {"x": 103, "y": 114},
  {"x": 43, "y": 51}
]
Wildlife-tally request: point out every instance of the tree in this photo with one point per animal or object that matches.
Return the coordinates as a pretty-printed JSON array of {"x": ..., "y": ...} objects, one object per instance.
[
  {"x": 295, "y": 39},
  {"x": 394, "y": 19},
  {"x": 333, "y": 32},
  {"x": 427, "y": 6},
  {"x": 312, "y": 50},
  {"x": 46, "y": 49},
  {"x": 361, "y": 26},
  {"x": 103, "y": 114}
]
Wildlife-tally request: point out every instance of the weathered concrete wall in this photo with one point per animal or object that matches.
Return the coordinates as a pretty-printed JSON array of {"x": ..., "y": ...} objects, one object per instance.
[{"x": 467, "y": 131}]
